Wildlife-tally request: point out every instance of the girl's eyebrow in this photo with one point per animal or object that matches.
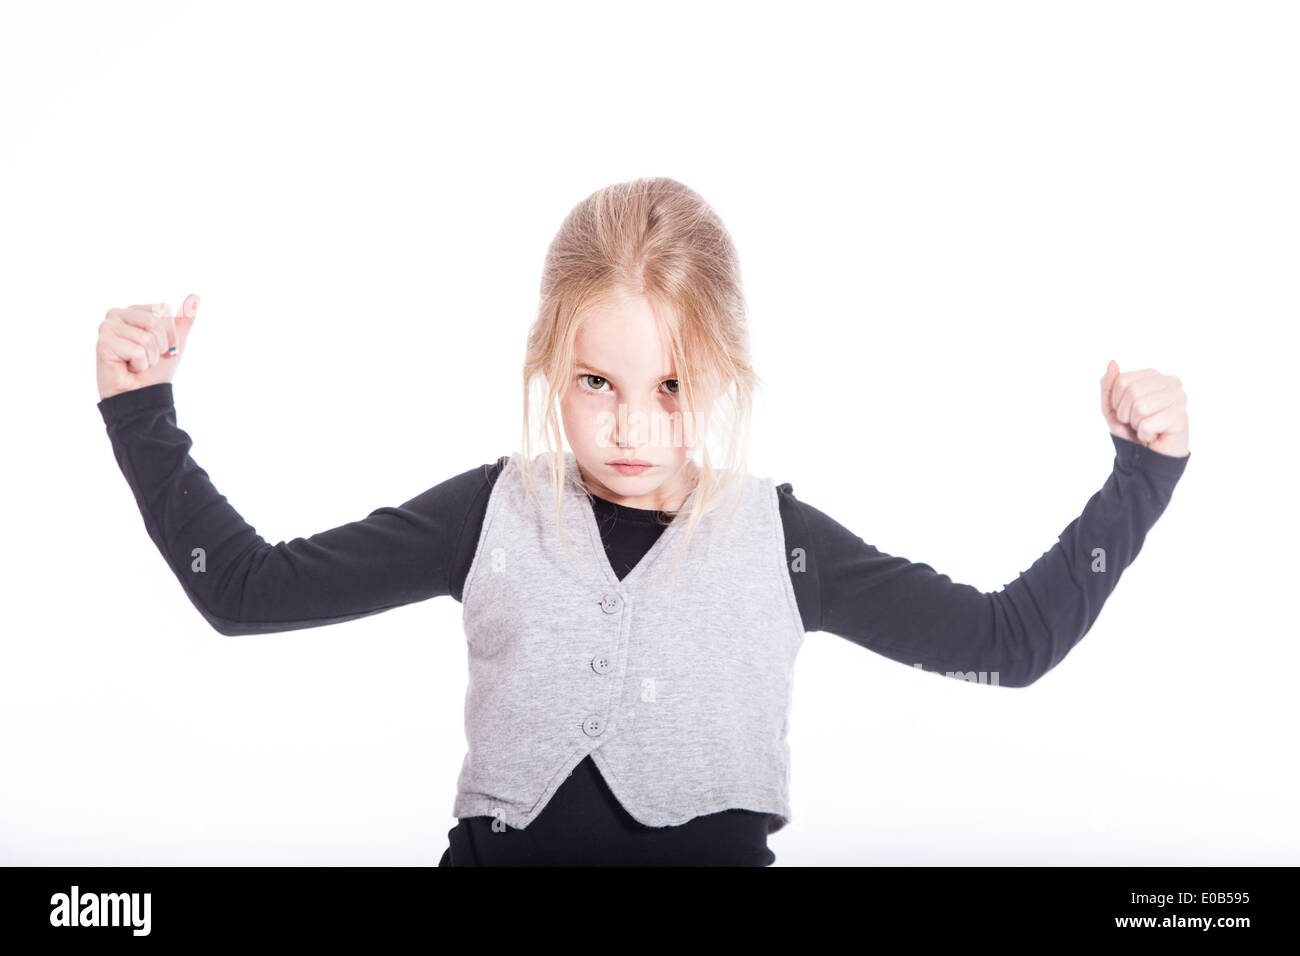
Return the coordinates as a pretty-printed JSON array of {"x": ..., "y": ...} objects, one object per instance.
[{"x": 606, "y": 375}]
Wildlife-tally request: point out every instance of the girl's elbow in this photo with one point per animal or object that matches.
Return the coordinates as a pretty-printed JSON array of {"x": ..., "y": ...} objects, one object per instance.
[{"x": 224, "y": 628}]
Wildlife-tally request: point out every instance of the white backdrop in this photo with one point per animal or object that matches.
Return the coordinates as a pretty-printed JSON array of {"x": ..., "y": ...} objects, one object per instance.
[{"x": 950, "y": 216}]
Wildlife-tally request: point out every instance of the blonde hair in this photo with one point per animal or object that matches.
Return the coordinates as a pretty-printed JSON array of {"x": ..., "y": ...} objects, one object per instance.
[{"x": 656, "y": 238}]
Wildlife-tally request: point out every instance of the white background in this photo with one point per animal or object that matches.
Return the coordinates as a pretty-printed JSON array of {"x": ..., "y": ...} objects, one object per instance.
[{"x": 950, "y": 216}]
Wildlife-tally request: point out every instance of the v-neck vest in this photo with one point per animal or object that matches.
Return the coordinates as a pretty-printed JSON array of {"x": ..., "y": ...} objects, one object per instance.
[{"x": 677, "y": 681}]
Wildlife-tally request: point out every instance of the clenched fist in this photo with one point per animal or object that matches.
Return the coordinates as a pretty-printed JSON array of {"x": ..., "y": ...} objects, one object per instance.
[
  {"x": 1146, "y": 407},
  {"x": 141, "y": 345}
]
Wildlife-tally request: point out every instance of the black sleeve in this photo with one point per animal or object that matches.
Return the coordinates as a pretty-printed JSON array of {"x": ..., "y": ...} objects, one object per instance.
[
  {"x": 910, "y": 613},
  {"x": 241, "y": 584}
]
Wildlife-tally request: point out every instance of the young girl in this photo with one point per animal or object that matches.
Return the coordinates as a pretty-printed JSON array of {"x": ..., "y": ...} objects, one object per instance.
[{"x": 633, "y": 606}]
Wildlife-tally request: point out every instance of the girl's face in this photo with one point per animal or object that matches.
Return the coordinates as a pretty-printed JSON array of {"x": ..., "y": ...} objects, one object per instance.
[{"x": 621, "y": 404}]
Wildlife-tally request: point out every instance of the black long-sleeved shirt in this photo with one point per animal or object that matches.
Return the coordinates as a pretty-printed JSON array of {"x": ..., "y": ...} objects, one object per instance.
[{"x": 423, "y": 548}]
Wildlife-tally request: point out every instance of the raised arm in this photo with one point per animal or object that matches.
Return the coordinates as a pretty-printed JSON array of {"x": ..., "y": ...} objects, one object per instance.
[
  {"x": 912, "y": 614},
  {"x": 243, "y": 585}
]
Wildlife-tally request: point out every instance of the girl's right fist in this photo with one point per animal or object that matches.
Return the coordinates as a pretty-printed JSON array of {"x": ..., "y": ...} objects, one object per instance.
[{"x": 141, "y": 345}]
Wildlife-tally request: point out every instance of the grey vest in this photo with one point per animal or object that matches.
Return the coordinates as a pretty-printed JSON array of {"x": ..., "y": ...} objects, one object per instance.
[{"x": 678, "y": 687}]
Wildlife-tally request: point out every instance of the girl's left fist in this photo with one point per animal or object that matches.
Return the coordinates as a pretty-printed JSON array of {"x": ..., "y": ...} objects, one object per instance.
[{"x": 1146, "y": 407}]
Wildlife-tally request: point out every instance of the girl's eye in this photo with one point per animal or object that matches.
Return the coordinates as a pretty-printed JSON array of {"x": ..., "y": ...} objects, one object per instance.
[{"x": 596, "y": 383}]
